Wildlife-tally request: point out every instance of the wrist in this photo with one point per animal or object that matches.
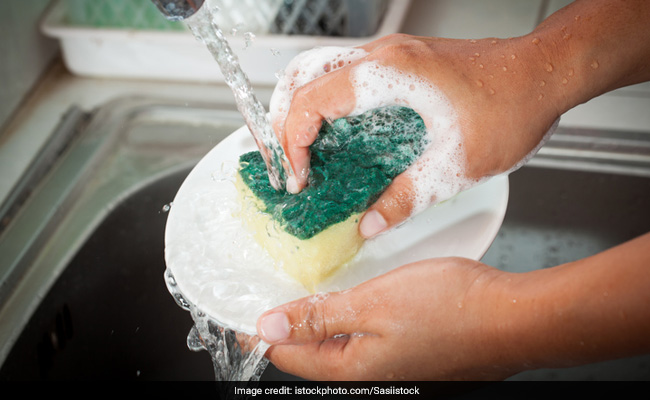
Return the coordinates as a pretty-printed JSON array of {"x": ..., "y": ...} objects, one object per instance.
[
  {"x": 536, "y": 320},
  {"x": 584, "y": 311},
  {"x": 502, "y": 325},
  {"x": 592, "y": 47}
]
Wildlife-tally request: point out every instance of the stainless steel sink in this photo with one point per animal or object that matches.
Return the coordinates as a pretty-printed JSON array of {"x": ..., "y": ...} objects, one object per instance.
[
  {"x": 81, "y": 276},
  {"x": 556, "y": 216}
]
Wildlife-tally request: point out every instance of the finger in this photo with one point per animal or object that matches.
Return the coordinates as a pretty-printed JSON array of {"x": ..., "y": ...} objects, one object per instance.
[
  {"x": 326, "y": 98},
  {"x": 308, "y": 320},
  {"x": 393, "y": 207},
  {"x": 333, "y": 359},
  {"x": 316, "y": 318}
]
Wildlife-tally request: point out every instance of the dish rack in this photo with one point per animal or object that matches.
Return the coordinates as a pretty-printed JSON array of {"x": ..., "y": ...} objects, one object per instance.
[{"x": 127, "y": 39}]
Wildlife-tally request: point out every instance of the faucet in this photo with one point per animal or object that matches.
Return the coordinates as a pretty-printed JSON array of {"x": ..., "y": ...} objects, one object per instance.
[{"x": 178, "y": 10}]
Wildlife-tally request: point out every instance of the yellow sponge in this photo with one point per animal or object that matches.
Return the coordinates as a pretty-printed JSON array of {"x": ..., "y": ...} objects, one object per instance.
[
  {"x": 309, "y": 261},
  {"x": 353, "y": 160}
]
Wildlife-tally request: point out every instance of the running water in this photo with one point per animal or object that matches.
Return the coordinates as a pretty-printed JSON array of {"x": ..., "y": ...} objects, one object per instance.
[
  {"x": 236, "y": 356},
  {"x": 205, "y": 29}
]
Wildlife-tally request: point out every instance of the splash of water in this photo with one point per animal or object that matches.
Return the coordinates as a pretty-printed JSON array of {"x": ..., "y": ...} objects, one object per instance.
[
  {"x": 205, "y": 29},
  {"x": 236, "y": 356}
]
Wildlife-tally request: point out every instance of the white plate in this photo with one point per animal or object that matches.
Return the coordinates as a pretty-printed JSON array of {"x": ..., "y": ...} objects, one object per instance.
[{"x": 221, "y": 270}]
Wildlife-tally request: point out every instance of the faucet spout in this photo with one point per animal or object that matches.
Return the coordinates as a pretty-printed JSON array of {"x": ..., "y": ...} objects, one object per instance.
[{"x": 178, "y": 10}]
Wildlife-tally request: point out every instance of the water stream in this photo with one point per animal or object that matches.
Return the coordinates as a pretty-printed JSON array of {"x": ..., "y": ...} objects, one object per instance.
[
  {"x": 204, "y": 27},
  {"x": 236, "y": 356}
]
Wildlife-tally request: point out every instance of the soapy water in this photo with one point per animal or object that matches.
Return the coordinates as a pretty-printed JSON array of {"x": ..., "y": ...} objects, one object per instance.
[
  {"x": 205, "y": 29},
  {"x": 236, "y": 355},
  {"x": 217, "y": 271}
]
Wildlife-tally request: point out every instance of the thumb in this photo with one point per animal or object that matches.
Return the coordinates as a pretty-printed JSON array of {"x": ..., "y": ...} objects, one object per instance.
[
  {"x": 311, "y": 319},
  {"x": 393, "y": 207}
]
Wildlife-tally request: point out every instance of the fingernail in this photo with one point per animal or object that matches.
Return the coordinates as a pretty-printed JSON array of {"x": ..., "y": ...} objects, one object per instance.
[
  {"x": 274, "y": 327},
  {"x": 292, "y": 185},
  {"x": 372, "y": 223}
]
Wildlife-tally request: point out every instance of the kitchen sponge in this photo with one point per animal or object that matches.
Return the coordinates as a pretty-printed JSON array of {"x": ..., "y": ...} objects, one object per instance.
[{"x": 313, "y": 233}]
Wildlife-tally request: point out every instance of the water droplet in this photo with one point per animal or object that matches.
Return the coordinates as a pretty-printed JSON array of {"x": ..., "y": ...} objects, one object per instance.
[
  {"x": 505, "y": 68},
  {"x": 472, "y": 58},
  {"x": 513, "y": 56},
  {"x": 535, "y": 41},
  {"x": 494, "y": 42},
  {"x": 542, "y": 83},
  {"x": 571, "y": 72},
  {"x": 548, "y": 67},
  {"x": 479, "y": 83},
  {"x": 480, "y": 66},
  {"x": 566, "y": 36},
  {"x": 540, "y": 97},
  {"x": 275, "y": 52},
  {"x": 577, "y": 18},
  {"x": 477, "y": 55},
  {"x": 492, "y": 91},
  {"x": 514, "y": 301},
  {"x": 472, "y": 41},
  {"x": 460, "y": 305},
  {"x": 594, "y": 64},
  {"x": 565, "y": 81},
  {"x": 249, "y": 37},
  {"x": 167, "y": 207}
]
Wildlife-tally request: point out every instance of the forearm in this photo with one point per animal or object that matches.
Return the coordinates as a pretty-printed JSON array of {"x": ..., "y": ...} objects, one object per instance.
[
  {"x": 591, "y": 47},
  {"x": 585, "y": 311}
]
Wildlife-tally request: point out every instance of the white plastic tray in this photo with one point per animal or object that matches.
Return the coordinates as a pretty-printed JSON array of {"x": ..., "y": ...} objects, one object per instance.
[{"x": 178, "y": 56}]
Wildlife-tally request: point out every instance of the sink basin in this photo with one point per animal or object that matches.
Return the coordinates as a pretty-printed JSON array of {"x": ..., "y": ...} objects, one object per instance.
[
  {"x": 82, "y": 293},
  {"x": 101, "y": 317},
  {"x": 556, "y": 216}
]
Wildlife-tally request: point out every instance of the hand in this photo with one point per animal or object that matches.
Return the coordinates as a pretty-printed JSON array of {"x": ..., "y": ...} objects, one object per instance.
[
  {"x": 482, "y": 108},
  {"x": 498, "y": 99},
  {"x": 505, "y": 95},
  {"x": 454, "y": 319},
  {"x": 419, "y": 322}
]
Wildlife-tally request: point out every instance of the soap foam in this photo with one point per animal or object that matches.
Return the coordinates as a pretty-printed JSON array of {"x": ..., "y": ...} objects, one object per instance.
[
  {"x": 438, "y": 174},
  {"x": 306, "y": 67}
]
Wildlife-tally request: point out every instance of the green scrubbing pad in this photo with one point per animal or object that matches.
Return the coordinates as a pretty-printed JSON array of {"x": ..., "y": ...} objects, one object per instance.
[{"x": 353, "y": 160}]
